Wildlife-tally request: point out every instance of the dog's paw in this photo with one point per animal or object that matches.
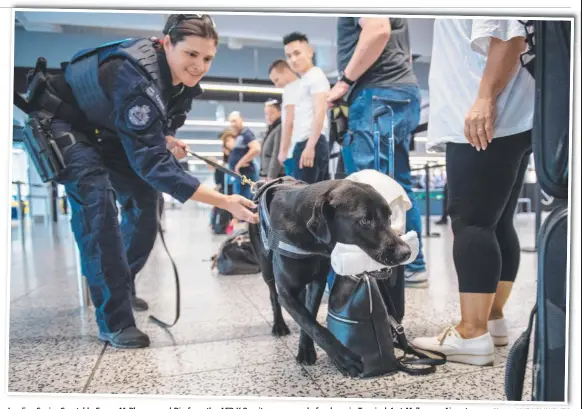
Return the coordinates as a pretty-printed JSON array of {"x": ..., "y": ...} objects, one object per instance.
[
  {"x": 348, "y": 363},
  {"x": 280, "y": 329},
  {"x": 306, "y": 355}
]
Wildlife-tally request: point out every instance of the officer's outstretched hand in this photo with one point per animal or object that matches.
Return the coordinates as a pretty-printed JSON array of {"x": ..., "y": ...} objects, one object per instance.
[
  {"x": 177, "y": 147},
  {"x": 239, "y": 207}
]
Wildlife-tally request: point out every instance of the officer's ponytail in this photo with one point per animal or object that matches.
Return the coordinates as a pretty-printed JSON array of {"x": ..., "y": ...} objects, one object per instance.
[{"x": 179, "y": 26}]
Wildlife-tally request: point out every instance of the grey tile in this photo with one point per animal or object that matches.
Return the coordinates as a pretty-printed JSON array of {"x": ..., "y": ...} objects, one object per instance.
[
  {"x": 119, "y": 366},
  {"x": 189, "y": 331},
  {"x": 276, "y": 379},
  {"x": 23, "y": 350},
  {"x": 481, "y": 385},
  {"x": 71, "y": 324},
  {"x": 63, "y": 375}
]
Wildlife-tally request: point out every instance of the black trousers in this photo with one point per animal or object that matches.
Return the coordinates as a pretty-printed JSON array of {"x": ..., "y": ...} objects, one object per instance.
[{"x": 483, "y": 189}]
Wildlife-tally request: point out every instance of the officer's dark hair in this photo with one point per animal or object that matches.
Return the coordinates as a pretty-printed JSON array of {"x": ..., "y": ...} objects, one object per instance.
[
  {"x": 279, "y": 65},
  {"x": 295, "y": 36},
  {"x": 274, "y": 103},
  {"x": 180, "y": 26}
]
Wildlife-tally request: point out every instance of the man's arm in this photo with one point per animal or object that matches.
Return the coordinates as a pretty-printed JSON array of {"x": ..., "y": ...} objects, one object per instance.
[
  {"x": 254, "y": 150},
  {"x": 373, "y": 39},
  {"x": 319, "y": 108},
  {"x": 274, "y": 165},
  {"x": 287, "y": 131}
]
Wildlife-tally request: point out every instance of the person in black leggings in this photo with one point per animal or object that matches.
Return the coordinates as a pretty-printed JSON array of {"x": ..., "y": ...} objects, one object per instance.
[
  {"x": 476, "y": 69},
  {"x": 486, "y": 248}
]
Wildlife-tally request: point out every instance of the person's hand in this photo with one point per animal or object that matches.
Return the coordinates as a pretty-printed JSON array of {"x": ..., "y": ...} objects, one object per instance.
[
  {"x": 307, "y": 158},
  {"x": 282, "y": 157},
  {"x": 479, "y": 123},
  {"x": 240, "y": 165},
  {"x": 337, "y": 92},
  {"x": 239, "y": 207},
  {"x": 177, "y": 147}
]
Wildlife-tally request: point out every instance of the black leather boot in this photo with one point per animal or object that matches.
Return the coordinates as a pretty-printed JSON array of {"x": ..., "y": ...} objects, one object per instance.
[
  {"x": 138, "y": 304},
  {"x": 129, "y": 337}
]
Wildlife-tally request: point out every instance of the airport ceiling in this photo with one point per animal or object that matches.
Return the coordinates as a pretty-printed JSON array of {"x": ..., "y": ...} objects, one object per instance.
[{"x": 236, "y": 31}]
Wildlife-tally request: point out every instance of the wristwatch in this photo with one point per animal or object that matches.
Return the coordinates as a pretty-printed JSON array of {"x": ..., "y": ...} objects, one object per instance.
[{"x": 342, "y": 77}]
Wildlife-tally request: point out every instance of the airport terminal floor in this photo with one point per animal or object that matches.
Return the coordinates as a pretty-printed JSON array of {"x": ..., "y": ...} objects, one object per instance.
[{"x": 222, "y": 344}]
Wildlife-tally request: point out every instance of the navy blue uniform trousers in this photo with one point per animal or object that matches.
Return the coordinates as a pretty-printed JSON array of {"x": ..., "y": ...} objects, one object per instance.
[{"x": 112, "y": 252}]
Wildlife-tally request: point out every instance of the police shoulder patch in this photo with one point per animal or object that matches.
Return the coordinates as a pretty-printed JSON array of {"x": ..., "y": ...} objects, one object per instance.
[{"x": 141, "y": 113}]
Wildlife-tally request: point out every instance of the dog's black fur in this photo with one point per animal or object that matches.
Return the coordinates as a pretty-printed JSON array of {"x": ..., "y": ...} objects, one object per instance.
[{"x": 316, "y": 217}]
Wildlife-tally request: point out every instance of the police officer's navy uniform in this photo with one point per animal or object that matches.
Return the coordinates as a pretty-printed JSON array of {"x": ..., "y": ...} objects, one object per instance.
[{"x": 125, "y": 91}]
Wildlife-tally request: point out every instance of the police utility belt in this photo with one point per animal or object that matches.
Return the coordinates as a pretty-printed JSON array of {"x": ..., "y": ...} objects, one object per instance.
[{"x": 42, "y": 105}]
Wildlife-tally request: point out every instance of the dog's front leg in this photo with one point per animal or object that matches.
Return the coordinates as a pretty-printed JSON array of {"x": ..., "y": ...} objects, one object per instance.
[
  {"x": 315, "y": 290},
  {"x": 266, "y": 262}
]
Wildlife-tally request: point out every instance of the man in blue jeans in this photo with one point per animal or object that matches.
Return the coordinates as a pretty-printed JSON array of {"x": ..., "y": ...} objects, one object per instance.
[{"x": 375, "y": 65}]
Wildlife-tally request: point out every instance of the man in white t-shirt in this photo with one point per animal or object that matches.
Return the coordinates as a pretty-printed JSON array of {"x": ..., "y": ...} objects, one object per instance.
[
  {"x": 284, "y": 77},
  {"x": 481, "y": 113},
  {"x": 308, "y": 145}
]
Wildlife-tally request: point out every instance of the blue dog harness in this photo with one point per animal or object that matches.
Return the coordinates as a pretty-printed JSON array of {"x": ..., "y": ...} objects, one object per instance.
[{"x": 273, "y": 239}]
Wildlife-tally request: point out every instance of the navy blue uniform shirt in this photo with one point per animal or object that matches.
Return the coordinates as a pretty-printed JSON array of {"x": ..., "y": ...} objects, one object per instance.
[{"x": 144, "y": 116}]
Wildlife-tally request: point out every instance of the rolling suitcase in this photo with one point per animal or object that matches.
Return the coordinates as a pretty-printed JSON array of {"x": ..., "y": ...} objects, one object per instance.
[
  {"x": 393, "y": 287},
  {"x": 550, "y": 46}
]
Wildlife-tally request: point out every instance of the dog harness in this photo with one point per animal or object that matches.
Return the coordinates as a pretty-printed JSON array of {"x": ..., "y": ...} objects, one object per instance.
[{"x": 273, "y": 239}]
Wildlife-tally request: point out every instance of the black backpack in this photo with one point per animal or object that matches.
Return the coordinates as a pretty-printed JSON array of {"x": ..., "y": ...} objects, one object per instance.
[
  {"x": 236, "y": 256},
  {"x": 362, "y": 316}
]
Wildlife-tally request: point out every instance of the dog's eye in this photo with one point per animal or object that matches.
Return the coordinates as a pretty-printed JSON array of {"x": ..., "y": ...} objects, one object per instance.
[{"x": 366, "y": 222}]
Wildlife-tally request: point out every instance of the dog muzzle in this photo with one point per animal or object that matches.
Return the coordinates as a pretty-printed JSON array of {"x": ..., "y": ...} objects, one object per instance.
[{"x": 350, "y": 260}]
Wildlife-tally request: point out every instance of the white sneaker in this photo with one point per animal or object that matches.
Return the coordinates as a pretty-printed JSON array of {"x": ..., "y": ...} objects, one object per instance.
[
  {"x": 499, "y": 332},
  {"x": 475, "y": 351},
  {"x": 497, "y": 329}
]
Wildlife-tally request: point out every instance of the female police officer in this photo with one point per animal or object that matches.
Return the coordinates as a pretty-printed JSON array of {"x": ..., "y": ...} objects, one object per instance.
[{"x": 133, "y": 95}]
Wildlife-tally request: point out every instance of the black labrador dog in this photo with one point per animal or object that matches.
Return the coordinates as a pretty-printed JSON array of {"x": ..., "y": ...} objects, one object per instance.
[{"x": 316, "y": 217}]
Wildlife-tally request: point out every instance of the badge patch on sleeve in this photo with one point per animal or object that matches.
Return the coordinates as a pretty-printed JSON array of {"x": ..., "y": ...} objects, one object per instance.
[{"x": 141, "y": 114}]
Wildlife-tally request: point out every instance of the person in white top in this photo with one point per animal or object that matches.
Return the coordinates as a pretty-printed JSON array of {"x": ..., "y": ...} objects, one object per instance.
[
  {"x": 307, "y": 144},
  {"x": 481, "y": 113},
  {"x": 282, "y": 76}
]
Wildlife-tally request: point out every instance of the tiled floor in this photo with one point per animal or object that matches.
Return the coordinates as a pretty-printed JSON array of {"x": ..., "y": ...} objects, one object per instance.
[{"x": 222, "y": 344}]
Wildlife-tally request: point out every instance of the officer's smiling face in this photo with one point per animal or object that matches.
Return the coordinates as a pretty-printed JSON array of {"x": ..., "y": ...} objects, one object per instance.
[{"x": 189, "y": 59}]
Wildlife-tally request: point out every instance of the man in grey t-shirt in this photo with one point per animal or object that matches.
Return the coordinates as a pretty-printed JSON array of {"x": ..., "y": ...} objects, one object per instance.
[{"x": 374, "y": 61}]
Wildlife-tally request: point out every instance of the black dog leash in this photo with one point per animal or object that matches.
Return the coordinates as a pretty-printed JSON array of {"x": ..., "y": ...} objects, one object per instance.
[
  {"x": 244, "y": 180},
  {"x": 176, "y": 276}
]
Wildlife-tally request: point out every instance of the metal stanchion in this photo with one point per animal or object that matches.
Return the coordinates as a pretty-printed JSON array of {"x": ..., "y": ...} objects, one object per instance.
[
  {"x": 427, "y": 202},
  {"x": 54, "y": 202}
]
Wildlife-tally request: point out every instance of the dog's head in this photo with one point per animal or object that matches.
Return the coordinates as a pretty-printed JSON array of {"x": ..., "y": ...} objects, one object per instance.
[{"x": 355, "y": 213}]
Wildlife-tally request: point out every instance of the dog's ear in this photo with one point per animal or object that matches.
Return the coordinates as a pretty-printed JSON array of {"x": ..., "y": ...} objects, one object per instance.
[{"x": 318, "y": 223}]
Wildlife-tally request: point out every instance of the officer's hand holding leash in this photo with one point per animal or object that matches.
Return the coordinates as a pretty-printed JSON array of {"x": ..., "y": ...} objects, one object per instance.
[
  {"x": 237, "y": 205},
  {"x": 177, "y": 147}
]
